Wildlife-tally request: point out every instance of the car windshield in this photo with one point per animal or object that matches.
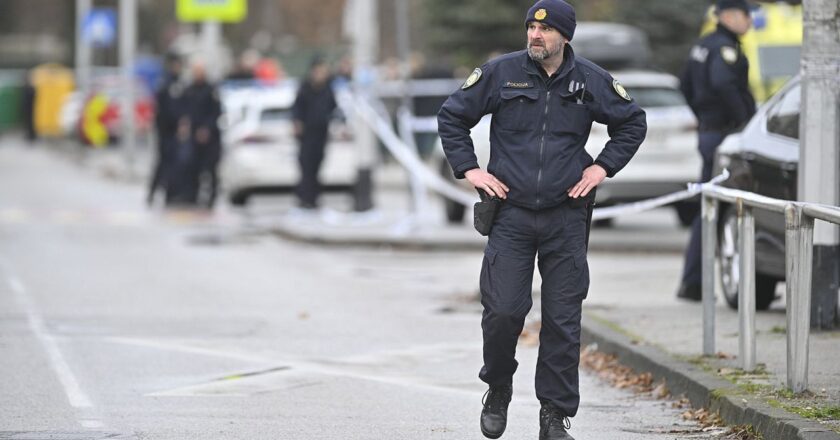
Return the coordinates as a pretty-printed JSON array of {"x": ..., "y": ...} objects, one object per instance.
[
  {"x": 276, "y": 114},
  {"x": 648, "y": 97}
]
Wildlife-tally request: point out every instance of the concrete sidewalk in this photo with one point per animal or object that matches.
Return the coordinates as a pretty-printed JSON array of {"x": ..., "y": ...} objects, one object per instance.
[{"x": 631, "y": 311}]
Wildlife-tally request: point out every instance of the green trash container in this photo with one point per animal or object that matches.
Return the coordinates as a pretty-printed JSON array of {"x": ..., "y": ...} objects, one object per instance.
[{"x": 10, "y": 104}]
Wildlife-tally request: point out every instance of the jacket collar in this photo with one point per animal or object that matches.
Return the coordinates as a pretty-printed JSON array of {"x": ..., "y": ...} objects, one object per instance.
[
  {"x": 534, "y": 68},
  {"x": 729, "y": 34}
]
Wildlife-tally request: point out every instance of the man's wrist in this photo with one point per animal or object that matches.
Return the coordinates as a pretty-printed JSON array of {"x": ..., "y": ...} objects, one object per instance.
[
  {"x": 604, "y": 167},
  {"x": 461, "y": 171}
]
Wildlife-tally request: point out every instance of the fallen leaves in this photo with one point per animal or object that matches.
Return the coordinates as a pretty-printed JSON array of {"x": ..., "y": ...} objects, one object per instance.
[
  {"x": 703, "y": 417},
  {"x": 743, "y": 432},
  {"x": 607, "y": 367}
]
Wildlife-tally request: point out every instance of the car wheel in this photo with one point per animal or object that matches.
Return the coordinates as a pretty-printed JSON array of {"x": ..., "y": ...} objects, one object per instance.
[
  {"x": 730, "y": 260},
  {"x": 454, "y": 210},
  {"x": 687, "y": 211}
]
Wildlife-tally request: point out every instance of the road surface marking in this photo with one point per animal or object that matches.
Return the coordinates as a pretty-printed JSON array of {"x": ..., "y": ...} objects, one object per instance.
[
  {"x": 75, "y": 395},
  {"x": 91, "y": 424},
  {"x": 251, "y": 384}
]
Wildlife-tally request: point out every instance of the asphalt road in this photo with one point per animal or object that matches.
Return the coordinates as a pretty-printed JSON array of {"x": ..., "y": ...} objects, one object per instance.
[{"x": 121, "y": 322}]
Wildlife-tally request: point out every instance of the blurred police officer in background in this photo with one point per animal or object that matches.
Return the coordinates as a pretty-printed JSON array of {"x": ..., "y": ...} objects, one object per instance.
[
  {"x": 205, "y": 108},
  {"x": 169, "y": 109},
  {"x": 312, "y": 112},
  {"x": 543, "y": 101},
  {"x": 716, "y": 86}
]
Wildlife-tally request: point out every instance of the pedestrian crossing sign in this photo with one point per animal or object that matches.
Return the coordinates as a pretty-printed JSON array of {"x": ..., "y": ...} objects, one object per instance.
[{"x": 228, "y": 11}]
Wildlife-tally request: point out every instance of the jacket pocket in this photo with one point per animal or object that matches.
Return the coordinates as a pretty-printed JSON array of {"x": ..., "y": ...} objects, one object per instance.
[
  {"x": 519, "y": 110},
  {"x": 573, "y": 119}
]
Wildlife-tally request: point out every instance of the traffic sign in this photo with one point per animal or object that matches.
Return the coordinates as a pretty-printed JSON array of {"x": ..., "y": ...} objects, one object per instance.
[
  {"x": 100, "y": 27},
  {"x": 229, "y": 11}
]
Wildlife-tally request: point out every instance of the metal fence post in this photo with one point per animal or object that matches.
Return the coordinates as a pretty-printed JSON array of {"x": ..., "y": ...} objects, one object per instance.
[
  {"x": 799, "y": 241},
  {"x": 709, "y": 243},
  {"x": 746, "y": 286}
]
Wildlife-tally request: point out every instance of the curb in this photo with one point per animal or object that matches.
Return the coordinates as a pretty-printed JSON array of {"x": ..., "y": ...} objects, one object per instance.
[
  {"x": 703, "y": 389},
  {"x": 449, "y": 239}
]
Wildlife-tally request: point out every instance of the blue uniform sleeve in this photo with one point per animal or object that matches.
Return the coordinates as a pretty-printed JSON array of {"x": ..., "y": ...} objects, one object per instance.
[
  {"x": 723, "y": 79},
  {"x": 626, "y": 125},
  {"x": 459, "y": 114}
]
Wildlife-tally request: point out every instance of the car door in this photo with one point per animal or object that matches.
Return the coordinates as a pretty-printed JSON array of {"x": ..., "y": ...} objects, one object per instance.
[{"x": 772, "y": 154}]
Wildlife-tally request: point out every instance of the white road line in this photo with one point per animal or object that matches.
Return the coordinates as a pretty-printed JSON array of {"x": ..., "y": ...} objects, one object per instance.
[
  {"x": 298, "y": 366},
  {"x": 91, "y": 424},
  {"x": 75, "y": 395}
]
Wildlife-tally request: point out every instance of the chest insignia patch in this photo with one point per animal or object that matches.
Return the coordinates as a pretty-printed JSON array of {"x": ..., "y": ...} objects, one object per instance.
[
  {"x": 472, "y": 79},
  {"x": 729, "y": 54},
  {"x": 519, "y": 85},
  {"x": 621, "y": 91}
]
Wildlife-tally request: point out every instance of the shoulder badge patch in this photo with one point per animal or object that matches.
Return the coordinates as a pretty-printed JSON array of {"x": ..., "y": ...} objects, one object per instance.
[
  {"x": 729, "y": 54},
  {"x": 621, "y": 91},
  {"x": 472, "y": 79}
]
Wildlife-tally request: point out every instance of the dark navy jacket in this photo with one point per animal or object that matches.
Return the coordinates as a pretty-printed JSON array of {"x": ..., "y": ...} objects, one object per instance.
[
  {"x": 540, "y": 125},
  {"x": 715, "y": 82}
]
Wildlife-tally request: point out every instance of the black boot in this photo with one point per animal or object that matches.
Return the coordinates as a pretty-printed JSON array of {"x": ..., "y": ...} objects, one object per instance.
[
  {"x": 494, "y": 414},
  {"x": 553, "y": 424}
]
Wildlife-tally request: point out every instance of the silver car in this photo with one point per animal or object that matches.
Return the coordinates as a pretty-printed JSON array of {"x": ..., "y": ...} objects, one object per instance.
[{"x": 261, "y": 152}]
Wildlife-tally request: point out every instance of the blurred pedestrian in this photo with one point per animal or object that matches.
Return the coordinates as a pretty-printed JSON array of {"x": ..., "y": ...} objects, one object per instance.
[
  {"x": 543, "y": 101},
  {"x": 312, "y": 112},
  {"x": 715, "y": 83},
  {"x": 170, "y": 108},
  {"x": 28, "y": 107},
  {"x": 204, "y": 109},
  {"x": 244, "y": 71},
  {"x": 182, "y": 169}
]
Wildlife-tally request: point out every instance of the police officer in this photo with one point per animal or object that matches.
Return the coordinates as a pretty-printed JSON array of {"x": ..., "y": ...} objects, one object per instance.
[
  {"x": 205, "y": 108},
  {"x": 543, "y": 101},
  {"x": 716, "y": 86},
  {"x": 312, "y": 111},
  {"x": 169, "y": 109}
]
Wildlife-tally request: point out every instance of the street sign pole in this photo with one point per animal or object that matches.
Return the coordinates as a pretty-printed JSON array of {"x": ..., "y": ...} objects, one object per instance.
[
  {"x": 819, "y": 154},
  {"x": 211, "y": 37},
  {"x": 83, "y": 52},
  {"x": 365, "y": 48},
  {"x": 128, "y": 46}
]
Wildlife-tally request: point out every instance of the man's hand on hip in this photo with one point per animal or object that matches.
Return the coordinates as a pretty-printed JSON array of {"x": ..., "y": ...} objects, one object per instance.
[
  {"x": 592, "y": 177},
  {"x": 489, "y": 183}
]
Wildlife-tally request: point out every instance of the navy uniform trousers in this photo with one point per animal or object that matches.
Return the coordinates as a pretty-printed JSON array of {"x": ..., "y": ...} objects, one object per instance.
[
  {"x": 693, "y": 268},
  {"x": 558, "y": 238}
]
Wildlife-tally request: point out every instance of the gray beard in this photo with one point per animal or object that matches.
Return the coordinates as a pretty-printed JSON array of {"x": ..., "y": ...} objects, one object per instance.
[{"x": 540, "y": 53}]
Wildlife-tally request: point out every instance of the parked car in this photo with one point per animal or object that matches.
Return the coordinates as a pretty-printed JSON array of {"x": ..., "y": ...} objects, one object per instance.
[
  {"x": 666, "y": 162},
  {"x": 763, "y": 159},
  {"x": 261, "y": 152}
]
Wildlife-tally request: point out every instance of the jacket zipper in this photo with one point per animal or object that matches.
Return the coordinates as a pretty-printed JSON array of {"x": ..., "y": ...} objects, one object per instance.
[{"x": 542, "y": 146}]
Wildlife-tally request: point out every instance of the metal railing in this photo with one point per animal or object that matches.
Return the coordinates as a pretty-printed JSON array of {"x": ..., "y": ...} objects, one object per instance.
[{"x": 799, "y": 248}]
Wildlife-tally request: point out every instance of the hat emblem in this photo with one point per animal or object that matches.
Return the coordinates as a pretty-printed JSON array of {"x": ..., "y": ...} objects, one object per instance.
[{"x": 540, "y": 14}]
